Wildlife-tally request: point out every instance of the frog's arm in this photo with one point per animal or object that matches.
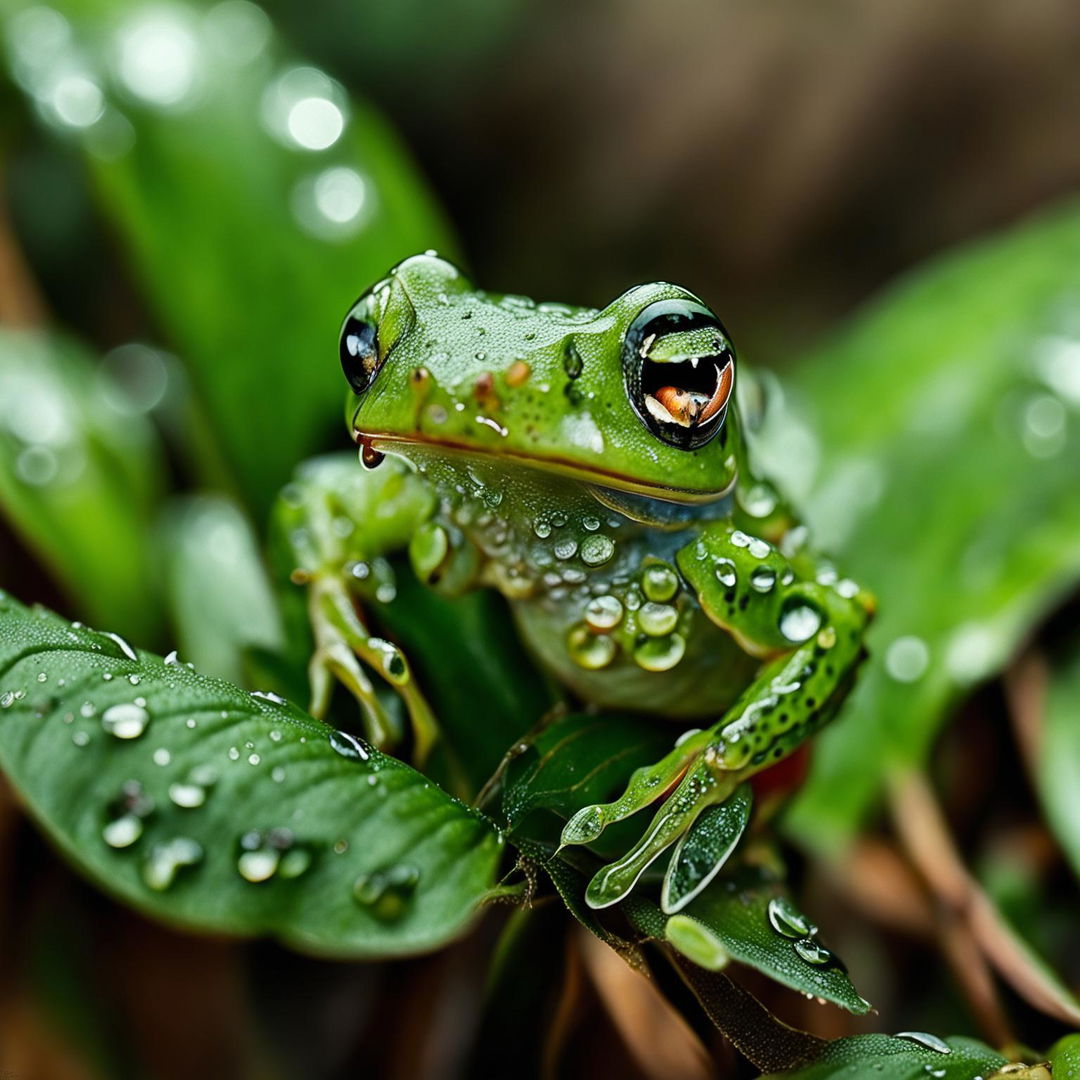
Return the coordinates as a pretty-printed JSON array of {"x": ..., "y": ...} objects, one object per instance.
[
  {"x": 337, "y": 524},
  {"x": 809, "y": 637}
]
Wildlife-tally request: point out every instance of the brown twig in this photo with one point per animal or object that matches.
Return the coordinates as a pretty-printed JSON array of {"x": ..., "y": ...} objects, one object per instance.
[{"x": 925, "y": 837}]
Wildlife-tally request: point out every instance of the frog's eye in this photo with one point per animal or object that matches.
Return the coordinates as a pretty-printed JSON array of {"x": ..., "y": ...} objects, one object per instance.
[
  {"x": 359, "y": 350},
  {"x": 679, "y": 366}
]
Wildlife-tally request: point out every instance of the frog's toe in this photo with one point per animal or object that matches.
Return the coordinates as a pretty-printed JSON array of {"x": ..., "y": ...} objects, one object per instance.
[{"x": 699, "y": 789}]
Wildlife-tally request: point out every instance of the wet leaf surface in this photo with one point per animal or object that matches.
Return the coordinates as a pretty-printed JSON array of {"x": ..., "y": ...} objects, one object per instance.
[{"x": 223, "y": 811}]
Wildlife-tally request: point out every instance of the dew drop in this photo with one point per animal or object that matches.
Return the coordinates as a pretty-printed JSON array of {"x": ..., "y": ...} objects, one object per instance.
[
  {"x": 787, "y": 921},
  {"x": 168, "y": 859},
  {"x": 812, "y": 952},
  {"x": 799, "y": 621},
  {"x": 595, "y": 550},
  {"x": 123, "y": 831},
  {"x": 386, "y": 893},
  {"x": 588, "y": 650},
  {"x": 348, "y": 746},
  {"x": 604, "y": 613},
  {"x": 922, "y": 1038},
  {"x": 762, "y": 579},
  {"x": 125, "y": 721},
  {"x": 260, "y": 865}
]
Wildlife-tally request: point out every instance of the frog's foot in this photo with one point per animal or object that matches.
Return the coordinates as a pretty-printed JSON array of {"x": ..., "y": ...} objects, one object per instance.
[
  {"x": 646, "y": 785},
  {"x": 688, "y": 816},
  {"x": 342, "y": 641}
]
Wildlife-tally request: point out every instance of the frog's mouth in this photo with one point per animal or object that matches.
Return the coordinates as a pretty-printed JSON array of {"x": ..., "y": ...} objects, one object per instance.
[
  {"x": 687, "y": 398},
  {"x": 600, "y": 481}
]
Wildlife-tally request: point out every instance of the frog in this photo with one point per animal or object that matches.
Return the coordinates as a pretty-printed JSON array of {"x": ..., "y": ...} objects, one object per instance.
[{"x": 595, "y": 467}]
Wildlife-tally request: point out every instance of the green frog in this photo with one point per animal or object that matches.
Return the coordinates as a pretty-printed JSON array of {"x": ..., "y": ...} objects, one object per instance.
[{"x": 593, "y": 467}]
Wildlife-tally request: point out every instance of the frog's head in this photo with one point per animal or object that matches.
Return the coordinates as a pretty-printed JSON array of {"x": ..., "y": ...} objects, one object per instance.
[{"x": 631, "y": 400}]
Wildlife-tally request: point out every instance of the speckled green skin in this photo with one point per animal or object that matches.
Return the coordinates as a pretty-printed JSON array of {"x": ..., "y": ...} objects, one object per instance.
[{"x": 642, "y": 575}]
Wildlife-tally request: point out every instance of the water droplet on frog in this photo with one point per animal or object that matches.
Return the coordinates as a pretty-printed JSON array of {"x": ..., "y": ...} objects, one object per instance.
[
  {"x": 134, "y": 680},
  {"x": 541, "y": 528},
  {"x": 565, "y": 548},
  {"x": 254, "y": 759},
  {"x": 80, "y": 738},
  {"x": 294, "y": 862},
  {"x": 162, "y": 756},
  {"x": 604, "y": 613},
  {"x": 167, "y": 860},
  {"x": 7, "y": 699},
  {"x": 725, "y": 573},
  {"x": 595, "y": 550},
  {"x": 386, "y": 893},
  {"x": 657, "y": 620},
  {"x": 788, "y": 921},
  {"x": 762, "y": 579},
  {"x": 759, "y": 501},
  {"x": 277, "y": 774},
  {"x": 588, "y": 650},
  {"x": 572, "y": 362},
  {"x": 173, "y": 659},
  {"x": 125, "y": 721},
  {"x": 799, "y": 621},
  {"x": 590, "y": 523},
  {"x": 937, "y": 1074},
  {"x": 659, "y": 582},
  {"x": 348, "y": 746},
  {"x": 813, "y": 953},
  {"x": 660, "y": 653},
  {"x": 930, "y": 1042}
]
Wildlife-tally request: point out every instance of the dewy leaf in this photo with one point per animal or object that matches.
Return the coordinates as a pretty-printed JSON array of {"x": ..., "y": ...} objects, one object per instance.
[
  {"x": 909, "y": 1056},
  {"x": 1058, "y": 765},
  {"x": 256, "y": 198},
  {"x": 79, "y": 477},
  {"x": 577, "y": 760},
  {"x": 946, "y": 426},
  {"x": 748, "y": 918},
  {"x": 225, "y": 811},
  {"x": 1065, "y": 1058},
  {"x": 219, "y": 595}
]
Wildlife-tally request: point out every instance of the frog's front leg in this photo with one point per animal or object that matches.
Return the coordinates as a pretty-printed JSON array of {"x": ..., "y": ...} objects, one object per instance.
[
  {"x": 338, "y": 524},
  {"x": 809, "y": 636}
]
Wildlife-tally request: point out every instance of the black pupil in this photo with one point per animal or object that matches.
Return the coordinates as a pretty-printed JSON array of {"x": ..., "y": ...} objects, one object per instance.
[{"x": 359, "y": 353}]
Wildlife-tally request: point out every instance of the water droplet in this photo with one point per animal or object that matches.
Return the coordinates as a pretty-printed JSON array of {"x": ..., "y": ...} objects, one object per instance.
[
  {"x": 162, "y": 756},
  {"x": 657, "y": 620},
  {"x": 158, "y": 57},
  {"x": 572, "y": 362},
  {"x": 80, "y": 738},
  {"x": 799, "y": 620},
  {"x": 260, "y": 865},
  {"x": 812, "y": 952},
  {"x": 234, "y": 753},
  {"x": 588, "y": 650},
  {"x": 125, "y": 648},
  {"x": 595, "y": 550},
  {"x": 173, "y": 659},
  {"x": 660, "y": 653},
  {"x": 603, "y": 613},
  {"x": 907, "y": 658},
  {"x": 590, "y": 523},
  {"x": 759, "y": 500},
  {"x": 762, "y": 579},
  {"x": 566, "y": 547},
  {"x": 123, "y": 831},
  {"x": 931, "y": 1042},
  {"x": 266, "y": 695},
  {"x": 254, "y": 759},
  {"x": 134, "y": 680},
  {"x": 386, "y": 893},
  {"x": 542, "y": 528},
  {"x": 167, "y": 859},
  {"x": 659, "y": 582},
  {"x": 788, "y": 921},
  {"x": 348, "y": 746},
  {"x": 277, "y": 774},
  {"x": 7, "y": 699},
  {"x": 188, "y": 796},
  {"x": 125, "y": 721},
  {"x": 294, "y": 862}
]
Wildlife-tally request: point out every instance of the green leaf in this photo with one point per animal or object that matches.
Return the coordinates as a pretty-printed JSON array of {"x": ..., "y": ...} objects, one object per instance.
[
  {"x": 748, "y": 917},
  {"x": 227, "y": 812},
  {"x": 218, "y": 592},
  {"x": 577, "y": 760},
  {"x": 889, "y": 1057},
  {"x": 79, "y": 477},
  {"x": 256, "y": 200},
  {"x": 1065, "y": 1058},
  {"x": 1058, "y": 765},
  {"x": 946, "y": 426}
]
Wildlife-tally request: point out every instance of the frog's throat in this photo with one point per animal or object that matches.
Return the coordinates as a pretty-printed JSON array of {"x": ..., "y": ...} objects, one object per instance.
[{"x": 604, "y": 478}]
